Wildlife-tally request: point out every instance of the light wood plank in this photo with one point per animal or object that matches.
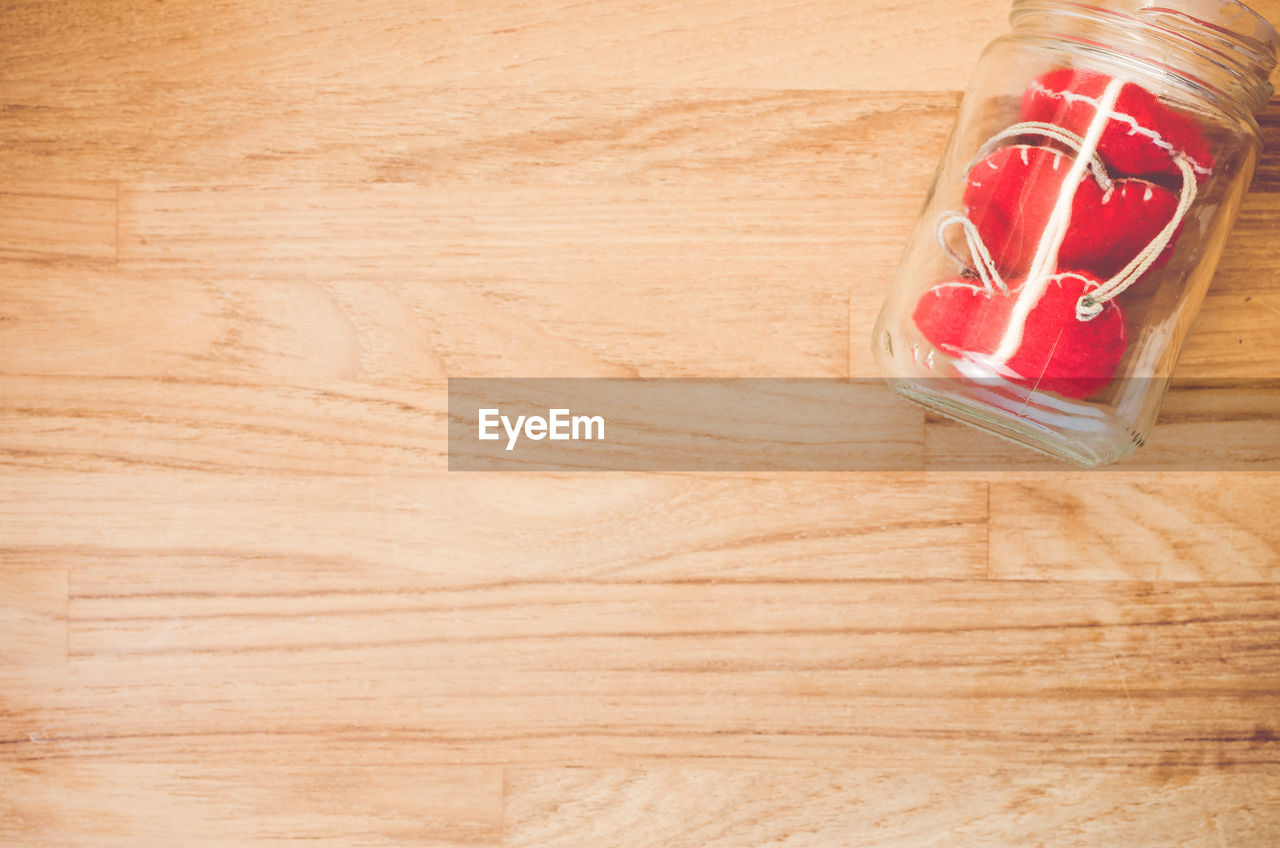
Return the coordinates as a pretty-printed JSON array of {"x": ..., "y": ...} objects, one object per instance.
[
  {"x": 247, "y": 657},
  {"x": 1234, "y": 334},
  {"x": 1138, "y": 526},
  {"x": 1267, "y": 176},
  {"x": 303, "y": 134},
  {"x": 459, "y": 529},
  {"x": 692, "y": 807},
  {"x": 343, "y": 428},
  {"x": 527, "y": 274},
  {"x": 224, "y": 800},
  {"x": 58, "y": 219},
  {"x": 399, "y": 430},
  {"x": 546, "y": 44},
  {"x": 188, "y": 427},
  {"x": 33, "y": 620},
  {"x": 1250, "y": 261},
  {"x": 304, "y": 331},
  {"x": 101, "y": 322},
  {"x": 542, "y": 44}
]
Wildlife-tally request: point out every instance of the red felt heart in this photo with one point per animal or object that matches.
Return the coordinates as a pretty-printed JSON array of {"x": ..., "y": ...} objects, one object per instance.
[
  {"x": 1142, "y": 136},
  {"x": 1058, "y": 352},
  {"x": 1011, "y": 194}
]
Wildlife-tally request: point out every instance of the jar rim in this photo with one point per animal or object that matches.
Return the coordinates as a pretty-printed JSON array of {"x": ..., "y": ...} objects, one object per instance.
[{"x": 1221, "y": 44}]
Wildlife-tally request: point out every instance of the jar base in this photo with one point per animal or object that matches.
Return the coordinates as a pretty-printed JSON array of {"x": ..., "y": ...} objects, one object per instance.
[{"x": 1080, "y": 434}]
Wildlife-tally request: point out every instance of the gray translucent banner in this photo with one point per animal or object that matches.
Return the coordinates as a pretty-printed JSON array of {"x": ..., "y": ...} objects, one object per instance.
[{"x": 561, "y": 424}]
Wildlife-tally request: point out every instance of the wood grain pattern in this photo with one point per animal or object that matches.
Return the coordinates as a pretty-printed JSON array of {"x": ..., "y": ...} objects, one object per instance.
[
  {"x": 243, "y": 246},
  {"x": 301, "y": 134},
  {"x": 869, "y": 674},
  {"x": 485, "y": 528},
  {"x": 220, "y": 801},
  {"x": 33, "y": 621},
  {"x": 692, "y": 807},
  {"x": 874, "y": 672},
  {"x": 1152, "y": 527},
  {"x": 536, "y": 44},
  {"x": 59, "y": 219}
]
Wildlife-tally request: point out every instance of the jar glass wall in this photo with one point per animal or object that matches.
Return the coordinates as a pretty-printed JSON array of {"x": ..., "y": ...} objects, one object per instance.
[{"x": 1076, "y": 218}]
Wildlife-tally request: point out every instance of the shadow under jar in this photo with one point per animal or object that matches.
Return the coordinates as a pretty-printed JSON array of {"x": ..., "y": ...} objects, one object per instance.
[{"x": 1094, "y": 171}]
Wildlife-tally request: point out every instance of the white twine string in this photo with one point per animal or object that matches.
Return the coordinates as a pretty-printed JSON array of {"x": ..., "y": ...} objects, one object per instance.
[
  {"x": 1135, "y": 126},
  {"x": 1090, "y": 305},
  {"x": 1054, "y": 132},
  {"x": 1055, "y": 231},
  {"x": 986, "y": 266}
]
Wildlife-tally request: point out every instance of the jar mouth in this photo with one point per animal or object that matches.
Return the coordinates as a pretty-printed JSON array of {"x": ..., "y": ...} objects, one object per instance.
[{"x": 1222, "y": 45}]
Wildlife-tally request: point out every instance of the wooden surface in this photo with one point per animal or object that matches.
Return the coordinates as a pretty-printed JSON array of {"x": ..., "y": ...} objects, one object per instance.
[{"x": 242, "y": 602}]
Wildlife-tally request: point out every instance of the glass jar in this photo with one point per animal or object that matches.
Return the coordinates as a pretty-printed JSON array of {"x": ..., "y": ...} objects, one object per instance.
[{"x": 1094, "y": 171}]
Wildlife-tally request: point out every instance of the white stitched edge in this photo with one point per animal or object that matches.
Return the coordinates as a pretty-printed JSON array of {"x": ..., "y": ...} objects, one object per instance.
[
  {"x": 975, "y": 288},
  {"x": 960, "y": 284},
  {"x": 1156, "y": 138},
  {"x": 1123, "y": 183},
  {"x": 1090, "y": 282}
]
